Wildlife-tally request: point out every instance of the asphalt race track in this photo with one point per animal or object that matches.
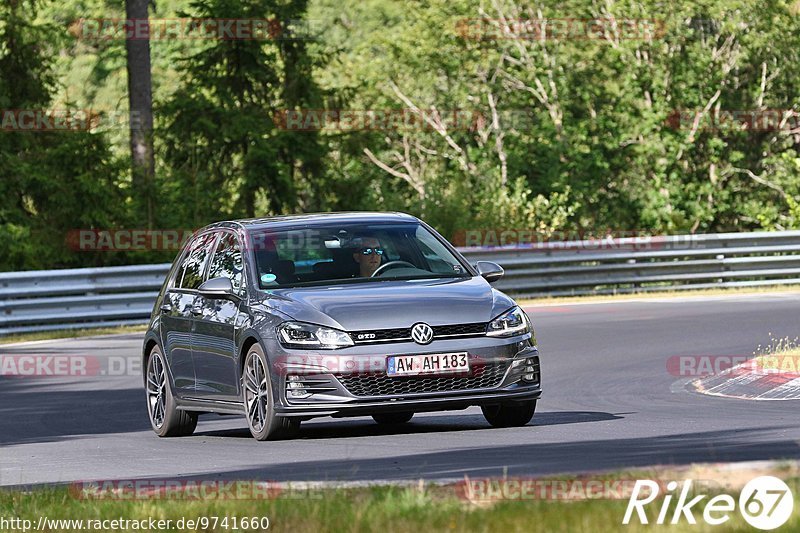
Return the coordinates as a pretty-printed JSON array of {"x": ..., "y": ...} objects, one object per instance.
[{"x": 609, "y": 402}]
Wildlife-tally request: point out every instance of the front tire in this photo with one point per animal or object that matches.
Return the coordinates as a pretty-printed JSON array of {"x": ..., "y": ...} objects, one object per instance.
[
  {"x": 392, "y": 418},
  {"x": 259, "y": 401},
  {"x": 509, "y": 414},
  {"x": 165, "y": 419}
]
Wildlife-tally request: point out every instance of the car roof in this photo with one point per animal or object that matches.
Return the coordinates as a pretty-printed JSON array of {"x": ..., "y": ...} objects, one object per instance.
[{"x": 309, "y": 219}]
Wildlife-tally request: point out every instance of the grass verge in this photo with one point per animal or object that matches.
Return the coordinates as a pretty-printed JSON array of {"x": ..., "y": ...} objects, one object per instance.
[
  {"x": 657, "y": 294},
  {"x": 370, "y": 509},
  {"x": 70, "y": 333},
  {"x": 787, "y": 361}
]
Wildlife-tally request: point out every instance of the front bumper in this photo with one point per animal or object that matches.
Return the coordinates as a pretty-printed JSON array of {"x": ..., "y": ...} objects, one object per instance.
[{"x": 497, "y": 370}]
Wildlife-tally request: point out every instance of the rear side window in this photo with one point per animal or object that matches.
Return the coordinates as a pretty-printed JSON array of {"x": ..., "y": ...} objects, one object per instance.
[
  {"x": 227, "y": 262},
  {"x": 190, "y": 275}
]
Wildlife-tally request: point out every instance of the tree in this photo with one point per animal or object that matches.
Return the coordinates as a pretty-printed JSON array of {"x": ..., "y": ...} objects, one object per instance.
[
  {"x": 601, "y": 149},
  {"x": 50, "y": 181},
  {"x": 140, "y": 98},
  {"x": 220, "y": 134}
]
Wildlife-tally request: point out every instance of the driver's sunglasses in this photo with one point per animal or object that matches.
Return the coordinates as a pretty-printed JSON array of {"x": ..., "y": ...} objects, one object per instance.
[{"x": 370, "y": 251}]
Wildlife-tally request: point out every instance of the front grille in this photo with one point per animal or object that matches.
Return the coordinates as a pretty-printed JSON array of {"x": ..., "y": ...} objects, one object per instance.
[
  {"x": 478, "y": 328},
  {"x": 378, "y": 335},
  {"x": 482, "y": 377},
  {"x": 404, "y": 334}
]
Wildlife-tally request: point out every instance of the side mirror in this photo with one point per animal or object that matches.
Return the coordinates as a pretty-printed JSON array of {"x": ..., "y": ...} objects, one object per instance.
[
  {"x": 491, "y": 272},
  {"x": 218, "y": 288}
]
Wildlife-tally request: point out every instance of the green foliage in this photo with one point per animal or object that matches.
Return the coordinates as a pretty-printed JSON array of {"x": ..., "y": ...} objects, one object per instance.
[
  {"x": 561, "y": 133},
  {"x": 51, "y": 180},
  {"x": 219, "y": 133},
  {"x": 603, "y": 110}
]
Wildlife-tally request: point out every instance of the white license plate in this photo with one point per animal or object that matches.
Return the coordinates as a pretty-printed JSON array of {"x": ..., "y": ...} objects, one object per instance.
[{"x": 434, "y": 363}]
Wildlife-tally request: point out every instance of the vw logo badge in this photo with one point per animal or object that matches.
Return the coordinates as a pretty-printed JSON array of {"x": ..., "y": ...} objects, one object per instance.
[{"x": 422, "y": 333}]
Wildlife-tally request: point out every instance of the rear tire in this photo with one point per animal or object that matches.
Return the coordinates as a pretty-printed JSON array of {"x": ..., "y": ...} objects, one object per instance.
[
  {"x": 392, "y": 418},
  {"x": 165, "y": 419},
  {"x": 259, "y": 401},
  {"x": 509, "y": 414}
]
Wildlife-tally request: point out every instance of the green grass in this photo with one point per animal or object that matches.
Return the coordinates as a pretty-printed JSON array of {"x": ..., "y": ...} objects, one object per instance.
[
  {"x": 378, "y": 509},
  {"x": 781, "y": 361},
  {"x": 659, "y": 294},
  {"x": 70, "y": 333}
]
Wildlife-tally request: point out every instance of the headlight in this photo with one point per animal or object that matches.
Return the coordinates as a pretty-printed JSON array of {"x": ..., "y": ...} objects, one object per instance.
[
  {"x": 512, "y": 322},
  {"x": 302, "y": 335}
]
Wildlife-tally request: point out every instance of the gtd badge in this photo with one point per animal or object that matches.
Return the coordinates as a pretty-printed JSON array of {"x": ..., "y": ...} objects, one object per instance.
[
  {"x": 366, "y": 336},
  {"x": 422, "y": 333}
]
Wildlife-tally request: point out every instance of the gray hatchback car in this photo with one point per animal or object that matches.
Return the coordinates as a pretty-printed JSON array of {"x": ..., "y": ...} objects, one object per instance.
[{"x": 288, "y": 318}]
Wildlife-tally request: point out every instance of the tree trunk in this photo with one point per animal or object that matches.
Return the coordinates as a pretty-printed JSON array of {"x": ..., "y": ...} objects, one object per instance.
[{"x": 140, "y": 98}]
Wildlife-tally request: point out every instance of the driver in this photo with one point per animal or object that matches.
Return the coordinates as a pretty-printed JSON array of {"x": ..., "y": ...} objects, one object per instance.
[{"x": 368, "y": 255}]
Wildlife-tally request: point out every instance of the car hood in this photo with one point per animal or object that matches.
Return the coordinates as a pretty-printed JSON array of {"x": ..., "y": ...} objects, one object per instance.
[{"x": 391, "y": 304}]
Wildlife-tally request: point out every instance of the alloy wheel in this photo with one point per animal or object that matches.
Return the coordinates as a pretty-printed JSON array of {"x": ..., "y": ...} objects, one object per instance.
[
  {"x": 156, "y": 390},
  {"x": 256, "y": 395}
]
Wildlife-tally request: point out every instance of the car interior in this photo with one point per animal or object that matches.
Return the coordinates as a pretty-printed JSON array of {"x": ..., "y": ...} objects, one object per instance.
[{"x": 313, "y": 257}]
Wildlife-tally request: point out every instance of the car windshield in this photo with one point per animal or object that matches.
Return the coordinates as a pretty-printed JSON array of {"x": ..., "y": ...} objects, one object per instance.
[{"x": 337, "y": 254}]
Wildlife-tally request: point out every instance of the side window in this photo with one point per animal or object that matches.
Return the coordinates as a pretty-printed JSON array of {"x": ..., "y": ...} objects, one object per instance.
[
  {"x": 434, "y": 251},
  {"x": 191, "y": 275},
  {"x": 227, "y": 262}
]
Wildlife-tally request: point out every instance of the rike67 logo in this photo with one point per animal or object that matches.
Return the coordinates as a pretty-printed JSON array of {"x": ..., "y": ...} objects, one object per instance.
[{"x": 765, "y": 503}]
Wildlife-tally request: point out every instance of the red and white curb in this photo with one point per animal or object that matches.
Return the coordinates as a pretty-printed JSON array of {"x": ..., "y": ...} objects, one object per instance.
[{"x": 750, "y": 381}]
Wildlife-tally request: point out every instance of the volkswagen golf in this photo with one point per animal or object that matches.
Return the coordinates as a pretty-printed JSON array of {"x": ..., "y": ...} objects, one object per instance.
[{"x": 288, "y": 318}]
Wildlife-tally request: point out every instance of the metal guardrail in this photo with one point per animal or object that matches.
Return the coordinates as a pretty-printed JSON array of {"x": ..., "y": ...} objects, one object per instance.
[
  {"x": 643, "y": 264},
  {"x": 93, "y": 297},
  {"x": 42, "y": 300}
]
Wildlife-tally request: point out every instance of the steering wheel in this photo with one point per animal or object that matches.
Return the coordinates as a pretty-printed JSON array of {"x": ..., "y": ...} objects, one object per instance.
[{"x": 391, "y": 264}]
